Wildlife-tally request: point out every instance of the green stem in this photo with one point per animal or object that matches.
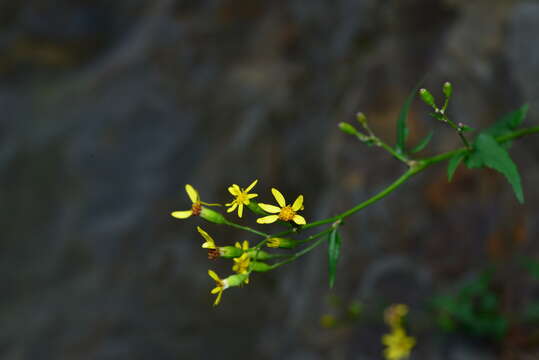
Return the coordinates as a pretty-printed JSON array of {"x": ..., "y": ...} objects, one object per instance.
[
  {"x": 389, "y": 149},
  {"x": 518, "y": 134},
  {"x": 415, "y": 168},
  {"x": 246, "y": 228},
  {"x": 305, "y": 250}
]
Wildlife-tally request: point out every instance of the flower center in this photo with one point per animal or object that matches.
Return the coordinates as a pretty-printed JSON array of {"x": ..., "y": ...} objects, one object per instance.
[
  {"x": 287, "y": 213},
  {"x": 213, "y": 254},
  {"x": 242, "y": 197},
  {"x": 196, "y": 209}
]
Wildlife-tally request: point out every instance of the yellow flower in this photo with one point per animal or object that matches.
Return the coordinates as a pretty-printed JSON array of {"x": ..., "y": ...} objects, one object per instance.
[
  {"x": 242, "y": 197},
  {"x": 399, "y": 345},
  {"x": 210, "y": 243},
  {"x": 242, "y": 263},
  {"x": 223, "y": 284},
  {"x": 284, "y": 212},
  {"x": 196, "y": 208},
  {"x": 220, "y": 286}
]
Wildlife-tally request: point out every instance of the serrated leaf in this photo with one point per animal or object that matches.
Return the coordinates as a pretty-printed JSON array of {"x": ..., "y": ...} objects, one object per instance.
[
  {"x": 508, "y": 122},
  {"x": 423, "y": 143},
  {"x": 402, "y": 126},
  {"x": 334, "y": 249},
  {"x": 491, "y": 154},
  {"x": 453, "y": 165}
]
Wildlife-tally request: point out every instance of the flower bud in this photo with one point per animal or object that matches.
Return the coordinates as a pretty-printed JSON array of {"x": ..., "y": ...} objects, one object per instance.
[
  {"x": 212, "y": 216},
  {"x": 427, "y": 97},
  {"x": 282, "y": 243},
  {"x": 447, "y": 89},
  {"x": 361, "y": 118},
  {"x": 229, "y": 252},
  {"x": 260, "y": 266},
  {"x": 235, "y": 280},
  {"x": 347, "y": 128}
]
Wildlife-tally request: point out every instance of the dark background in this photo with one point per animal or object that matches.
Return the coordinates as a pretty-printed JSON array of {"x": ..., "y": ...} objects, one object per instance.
[{"x": 109, "y": 107}]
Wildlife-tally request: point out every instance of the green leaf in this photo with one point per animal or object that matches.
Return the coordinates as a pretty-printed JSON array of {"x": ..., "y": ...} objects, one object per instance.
[
  {"x": 491, "y": 154},
  {"x": 334, "y": 249},
  {"x": 423, "y": 143},
  {"x": 453, "y": 165},
  {"x": 508, "y": 122},
  {"x": 402, "y": 127}
]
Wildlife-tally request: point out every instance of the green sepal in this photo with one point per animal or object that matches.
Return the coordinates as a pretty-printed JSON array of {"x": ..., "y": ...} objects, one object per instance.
[
  {"x": 259, "y": 254},
  {"x": 260, "y": 266},
  {"x": 253, "y": 206},
  {"x": 229, "y": 252},
  {"x": 212, "y": 216},
  {"x": 235, "y": 280}
]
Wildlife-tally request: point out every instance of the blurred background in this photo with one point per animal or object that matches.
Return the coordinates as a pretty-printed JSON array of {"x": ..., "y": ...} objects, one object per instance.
[{"x": 109, "y": 107}]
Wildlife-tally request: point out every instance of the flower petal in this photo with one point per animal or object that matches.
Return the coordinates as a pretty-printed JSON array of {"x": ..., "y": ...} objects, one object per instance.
[
  {"x": 192, "y": 193},
  {"x": 267, "y": 219},
  {"x": 245, "y": 245},
  {"x": 240, "y": 210},
  {"x": 232, "y": 207},
  {"x": 251, "y": 196},
  {"x": 298, "y": 219},
  {"x": 298, "y": 204},
  {"x": 272, "y": 209},
  {"x": 250, "y": 187},
  {"x": 214, "y": 276},
  {"x": 215, "y": 290},
  {"x": 218, "y": 299},
  {"x": 182, "y": 214},
  {"x": 234, "y": 190},
  {"x": 279, "y": 197},
  {"x": 204, "y": 234}
]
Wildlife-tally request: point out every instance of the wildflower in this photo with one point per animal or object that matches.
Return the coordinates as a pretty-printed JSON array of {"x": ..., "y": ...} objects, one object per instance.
[
  {"x": 399, "y": 345},
  {"x": 284, "y": 212},
  {"x": 242, "y": 197},
  {"x": 223, "y": 284},
  {"x": 220, "y": 286},
  {"x": 196, "y": 208},
  {"x": 241, "y": 265},
  {"x": 215, "y": 251}
]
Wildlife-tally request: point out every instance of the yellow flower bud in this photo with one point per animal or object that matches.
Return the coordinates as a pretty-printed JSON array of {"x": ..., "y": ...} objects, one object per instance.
[{"x": 282, "y": 243}]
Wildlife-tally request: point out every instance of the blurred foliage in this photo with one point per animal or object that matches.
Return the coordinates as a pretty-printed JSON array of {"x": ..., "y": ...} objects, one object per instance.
[{"x": 474, "y": 309}]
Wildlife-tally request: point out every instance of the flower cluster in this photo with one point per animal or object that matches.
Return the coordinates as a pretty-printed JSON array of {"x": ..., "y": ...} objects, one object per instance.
[
  {"x": 398, "y": 343},
  {"x": 245, "y": 259}
]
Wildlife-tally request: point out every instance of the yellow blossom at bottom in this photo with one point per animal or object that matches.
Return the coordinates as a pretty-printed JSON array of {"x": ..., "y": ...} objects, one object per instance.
[{"x": 399, "y": 345}]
